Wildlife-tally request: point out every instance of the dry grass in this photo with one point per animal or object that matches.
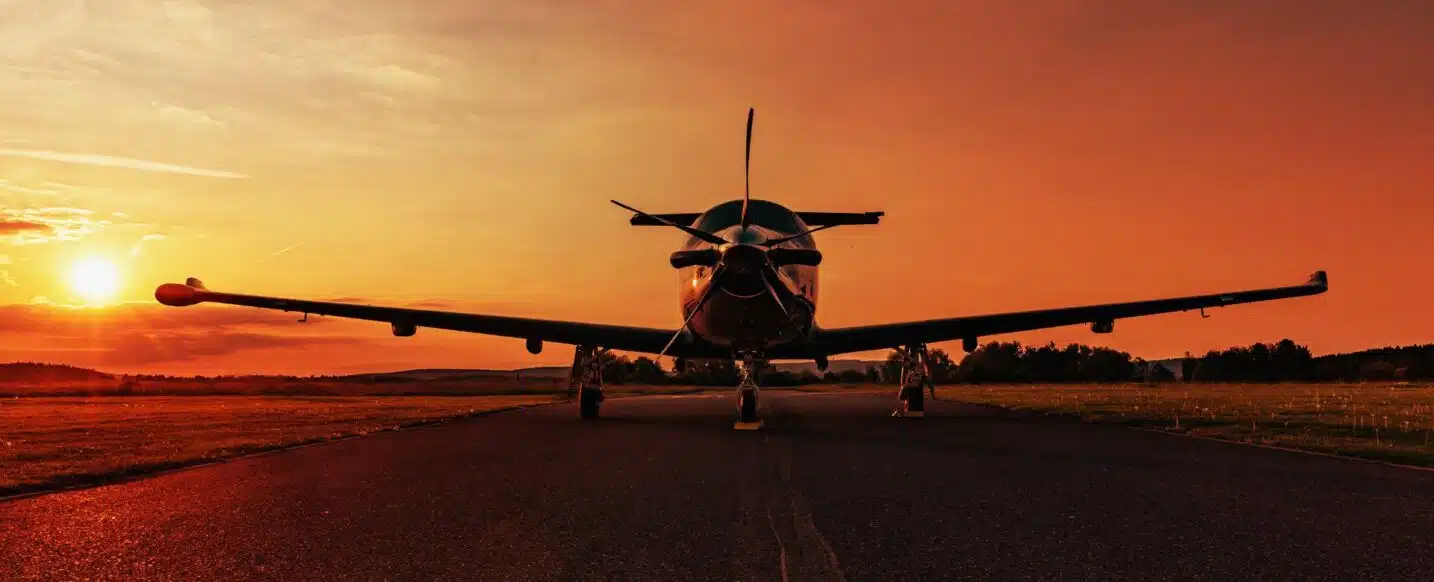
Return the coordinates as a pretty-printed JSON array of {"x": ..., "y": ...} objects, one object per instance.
[
  {"x": 49, "y": 443},
  {"x": 270, "y": 386},
  {"x": 1391, "y": 422}
]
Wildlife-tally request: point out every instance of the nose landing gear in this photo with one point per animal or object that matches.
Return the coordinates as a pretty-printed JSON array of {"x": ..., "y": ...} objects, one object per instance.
[
  {"x": 747, "y": 390},
  {"x": 585, "y": 380}
]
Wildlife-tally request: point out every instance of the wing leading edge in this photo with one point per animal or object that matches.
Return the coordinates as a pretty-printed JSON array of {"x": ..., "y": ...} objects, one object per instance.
[
  {"x": 875, "y": 337},
  {"x": 405, "y": 321}
]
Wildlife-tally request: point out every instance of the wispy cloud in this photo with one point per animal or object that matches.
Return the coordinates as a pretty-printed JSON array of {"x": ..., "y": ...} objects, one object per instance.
[
  {"x": 9, "y": 226},
  {"x": 118, "y": 162},
  {"x": 26, "y": 226},
  {"x": 146, "y": 333},
  {"x": 139, "y": 244},
  {"x": 286, "y": 249}
]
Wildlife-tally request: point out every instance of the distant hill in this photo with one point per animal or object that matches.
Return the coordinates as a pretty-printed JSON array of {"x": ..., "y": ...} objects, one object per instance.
[
  {"x": 461, "y": 374},
  {"x": 38, "y": 373}
]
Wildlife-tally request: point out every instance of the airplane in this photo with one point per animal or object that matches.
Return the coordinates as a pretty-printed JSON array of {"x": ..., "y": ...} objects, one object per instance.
[{"x": 748, "y": 279}]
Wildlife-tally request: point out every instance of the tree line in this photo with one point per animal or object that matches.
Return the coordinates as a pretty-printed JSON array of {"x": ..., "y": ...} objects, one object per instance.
[{"x": 1012, "y": 362}]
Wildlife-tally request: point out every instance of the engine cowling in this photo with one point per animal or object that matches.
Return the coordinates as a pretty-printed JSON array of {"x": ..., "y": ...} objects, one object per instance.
[
  {"x": 1103, "y": 326},
  {"x": 404, "y": 329},
  {"x": 535, "y": 346}
]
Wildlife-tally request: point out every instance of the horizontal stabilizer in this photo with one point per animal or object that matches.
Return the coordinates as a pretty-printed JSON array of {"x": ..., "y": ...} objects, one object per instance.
[{"x": 810, "y": 218}]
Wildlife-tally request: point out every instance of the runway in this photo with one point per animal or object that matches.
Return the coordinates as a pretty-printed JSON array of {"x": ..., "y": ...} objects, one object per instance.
[{"x": 664, "y": 489}]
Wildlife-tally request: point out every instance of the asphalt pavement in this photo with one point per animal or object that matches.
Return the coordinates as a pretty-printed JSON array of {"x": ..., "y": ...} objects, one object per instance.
[{"x": 662, "y": 488}]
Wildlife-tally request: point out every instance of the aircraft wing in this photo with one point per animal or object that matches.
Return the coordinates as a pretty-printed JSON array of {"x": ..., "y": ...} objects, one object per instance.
[
  {"x": 875, "y": 337},
  {"x": 405, "y": 321}
]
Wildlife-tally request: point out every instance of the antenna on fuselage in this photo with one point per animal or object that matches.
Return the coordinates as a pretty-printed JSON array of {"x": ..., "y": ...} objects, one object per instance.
[{"x": 747, "y": 170}]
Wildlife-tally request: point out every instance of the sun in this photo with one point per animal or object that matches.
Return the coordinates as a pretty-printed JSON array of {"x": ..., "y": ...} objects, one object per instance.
[{"x": 94, "y": 279}]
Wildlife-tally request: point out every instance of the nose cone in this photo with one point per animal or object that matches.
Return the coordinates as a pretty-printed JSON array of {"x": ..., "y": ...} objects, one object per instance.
[
  {"x": 744, "y": 275},
  {"x": 748, "y": 236},
  {"x": 176, "y": 295},
  {"x": 744, "y": 259}
]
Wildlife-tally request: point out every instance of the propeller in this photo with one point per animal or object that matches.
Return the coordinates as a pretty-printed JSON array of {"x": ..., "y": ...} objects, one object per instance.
[
  {"x": 791, "y": 237},
  {"x": 700, "y": 234},
  {"x": 747, "y": 262},
  {"x": 747, "y": 171}
]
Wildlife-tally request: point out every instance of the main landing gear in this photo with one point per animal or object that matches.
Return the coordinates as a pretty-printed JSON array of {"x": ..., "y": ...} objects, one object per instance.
[
  {"x": 585, "y": 380},
  {"x": 747, "y": 390},
  {"x": 915, "y": 379}
]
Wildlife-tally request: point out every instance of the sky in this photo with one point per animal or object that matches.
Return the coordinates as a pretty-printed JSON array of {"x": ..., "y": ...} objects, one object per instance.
[{"x": 461, "y": 154}]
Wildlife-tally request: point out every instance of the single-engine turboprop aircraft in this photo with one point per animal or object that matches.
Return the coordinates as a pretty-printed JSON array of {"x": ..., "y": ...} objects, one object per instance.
[{"x": 748, "y": 279}]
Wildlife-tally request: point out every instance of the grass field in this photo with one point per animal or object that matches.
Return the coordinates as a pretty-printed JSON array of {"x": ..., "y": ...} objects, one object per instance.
[
  {"x": 1389, "y": 422},
  {"x": 54, "y": 442},
  {"x": 48, "y": 443}
]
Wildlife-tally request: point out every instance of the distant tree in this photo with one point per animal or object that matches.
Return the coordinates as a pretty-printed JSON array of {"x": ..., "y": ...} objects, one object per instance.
[
  {"x": 891, "y": 368},
  {"x": 645, "y": 370},
  {"x": 942, "y": 369},
  {"x": 616, "y": 368},
  {"x": 1159, "y": 373}
]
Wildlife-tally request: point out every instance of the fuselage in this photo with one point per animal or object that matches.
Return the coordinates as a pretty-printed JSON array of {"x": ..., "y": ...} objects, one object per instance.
[{"x": 742, "y": 314}]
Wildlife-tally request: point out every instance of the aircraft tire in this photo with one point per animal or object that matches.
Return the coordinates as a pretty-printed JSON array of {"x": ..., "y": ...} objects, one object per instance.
[
  {"x": 915, "y": 399},
  {"x": 589, "y": 404},
  {"x": 747, "y": 406}
]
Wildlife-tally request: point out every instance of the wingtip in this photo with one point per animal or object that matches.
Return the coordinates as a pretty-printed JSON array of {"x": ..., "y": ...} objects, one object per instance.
[{"x": 1319, "y": 279}]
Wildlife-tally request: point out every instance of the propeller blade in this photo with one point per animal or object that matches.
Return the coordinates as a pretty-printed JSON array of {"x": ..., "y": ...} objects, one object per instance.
[
  {"x": 772, "y": 292},
  {"x": 792, "y": 237},
  {"x": 776, "y": 286},
  {"x": 747, "y": 171},
  {"x": 704, "y": 236},
  {"x": 701, "y": 301}
]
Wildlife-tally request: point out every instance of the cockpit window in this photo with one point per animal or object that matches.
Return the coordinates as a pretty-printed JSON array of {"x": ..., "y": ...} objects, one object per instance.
[{"x": 764, "y": 213}]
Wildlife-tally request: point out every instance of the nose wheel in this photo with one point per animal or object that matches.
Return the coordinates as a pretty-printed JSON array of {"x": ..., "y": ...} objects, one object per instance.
[{"x": 747, "y": 390}]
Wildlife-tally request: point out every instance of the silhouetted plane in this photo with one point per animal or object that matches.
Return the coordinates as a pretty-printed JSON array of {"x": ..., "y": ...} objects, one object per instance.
[{"x": 748, "y": 292}]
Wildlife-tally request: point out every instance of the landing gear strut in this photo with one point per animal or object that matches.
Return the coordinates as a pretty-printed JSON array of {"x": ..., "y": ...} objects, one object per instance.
[
  {"x": 747, "y": 391},
  {"x": 585, "y": 380},
  {"x": 915, "y": 378}
]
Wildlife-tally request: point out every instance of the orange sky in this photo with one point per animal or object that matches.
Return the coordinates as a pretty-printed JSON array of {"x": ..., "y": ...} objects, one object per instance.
[{"x": 461, "y": 155}]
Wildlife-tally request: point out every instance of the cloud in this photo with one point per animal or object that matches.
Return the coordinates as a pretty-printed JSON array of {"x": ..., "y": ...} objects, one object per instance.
[
  {"x": 14, "y": 226},
  {"x": 188, "y": 117},
  {"x": 13, "y": 187},
  {"x": 7, "y": 280},
  {"x": 139, "y": 244},
  {"x": 118, "y": 162},
  {"x": 135, "y": 334},
  {"x": 29, "y": 225},
  {"x": 131, "y": 348},
  {"x": 43, "y": 317},
  {"x": 286, "y": 249}
]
